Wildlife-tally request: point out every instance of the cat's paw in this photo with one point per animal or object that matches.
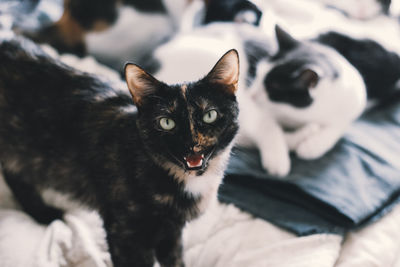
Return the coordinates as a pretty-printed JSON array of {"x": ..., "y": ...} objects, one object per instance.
[
  {"x": 309, "y": 150},
  {"x": 294, "y": 139},
  {"x": 276, "y": 164},
  {"x": 312, "y": 148},
  {"x": 316, "y": 145}
]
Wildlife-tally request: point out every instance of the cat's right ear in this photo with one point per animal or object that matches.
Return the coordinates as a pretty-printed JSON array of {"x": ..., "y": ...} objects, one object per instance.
[
  {"x": 140, "y": 83},
  {"x": 285, "y": 40}
]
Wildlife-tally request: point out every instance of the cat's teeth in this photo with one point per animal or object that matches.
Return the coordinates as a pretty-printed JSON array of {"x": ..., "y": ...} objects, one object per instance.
[
  {"x": 194, "y": 165},
  {"x": 194, "y": 161}
]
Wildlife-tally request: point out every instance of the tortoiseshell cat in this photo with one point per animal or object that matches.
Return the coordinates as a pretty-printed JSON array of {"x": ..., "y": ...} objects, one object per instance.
[{"x": 146, "y": 170}]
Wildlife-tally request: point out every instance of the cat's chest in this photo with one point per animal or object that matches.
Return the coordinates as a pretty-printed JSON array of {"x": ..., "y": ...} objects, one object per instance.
[
  {"x": 190, "y": 200},
  {"x": 195, "y": 194},
  {"x": 200, "y": 189},
  {"x": 203, "y": 188}
]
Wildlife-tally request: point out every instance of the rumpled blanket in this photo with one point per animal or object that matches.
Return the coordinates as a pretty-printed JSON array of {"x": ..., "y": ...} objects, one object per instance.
[
  {"x": 78, "y": 241},
  {"x": 223, "y": 236},
  {"x": 355, "y": 183}
]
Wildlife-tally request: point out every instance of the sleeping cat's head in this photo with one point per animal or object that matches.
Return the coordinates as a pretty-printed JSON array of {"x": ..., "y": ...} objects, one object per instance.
[
  {"x": 298, "y": 70},
  {"x": 187, "y": 124}
]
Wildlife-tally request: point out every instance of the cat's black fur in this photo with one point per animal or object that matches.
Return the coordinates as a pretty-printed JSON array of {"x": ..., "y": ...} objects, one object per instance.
[
  {"x": 379, "y": 67},
  {"x": 64, "y": 130},
  {"x": 232, "y": 10},
  {"x": 385, "y": 5}
]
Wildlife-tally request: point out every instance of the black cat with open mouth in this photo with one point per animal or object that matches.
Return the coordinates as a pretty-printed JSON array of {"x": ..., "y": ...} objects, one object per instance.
[{"x": 147, "y": 169}]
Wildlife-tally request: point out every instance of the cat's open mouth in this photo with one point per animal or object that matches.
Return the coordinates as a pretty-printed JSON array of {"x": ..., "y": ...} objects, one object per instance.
[{"x": 194, "y": 161}]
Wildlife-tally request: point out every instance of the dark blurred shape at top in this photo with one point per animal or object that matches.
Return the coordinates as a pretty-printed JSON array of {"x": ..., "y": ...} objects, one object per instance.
[{"x": 242, "y": 11}]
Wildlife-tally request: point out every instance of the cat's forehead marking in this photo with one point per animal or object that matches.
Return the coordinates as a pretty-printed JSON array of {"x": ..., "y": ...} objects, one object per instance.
[
  {"x": 205, "y": 140},
  {"x": 184, "y": 89},
  {"x": 191, "y": 121},
  {"x": 199, "y": 138}
]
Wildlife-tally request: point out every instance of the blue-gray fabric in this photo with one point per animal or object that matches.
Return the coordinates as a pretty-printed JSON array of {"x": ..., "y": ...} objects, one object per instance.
[{"x": 352, "y": 185}]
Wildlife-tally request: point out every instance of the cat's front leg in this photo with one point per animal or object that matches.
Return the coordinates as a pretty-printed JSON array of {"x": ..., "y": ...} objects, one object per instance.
[
  {"x": 258, "y": 127},
  {"x": 318, "y": 142},
  {"x": 169, "y": 250},
  {"x": 274, "y": 151},
  {"x": 128, "y": 248}
]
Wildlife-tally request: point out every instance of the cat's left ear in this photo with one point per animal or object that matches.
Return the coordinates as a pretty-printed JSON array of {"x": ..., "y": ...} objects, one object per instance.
[
  {"x": 140, "y": 83},
  {"x": 226, "y": 71}
]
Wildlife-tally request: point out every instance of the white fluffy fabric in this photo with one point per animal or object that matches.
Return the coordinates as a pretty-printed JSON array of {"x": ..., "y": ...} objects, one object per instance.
[{"x": 223, "y": 236}]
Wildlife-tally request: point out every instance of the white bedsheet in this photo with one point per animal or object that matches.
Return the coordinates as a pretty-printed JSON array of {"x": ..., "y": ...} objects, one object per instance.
[
  {"x": 223, "y": 237},
  {"x": 227, "y": 236}
]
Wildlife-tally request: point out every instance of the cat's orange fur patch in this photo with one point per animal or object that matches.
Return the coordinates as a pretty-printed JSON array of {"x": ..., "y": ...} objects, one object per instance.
[
  {"x": 164, "y": 199},
  {"x": 71, "y": 31},
  {"x": 184, "y": 88},
  {"x": 205, "y": 141}
]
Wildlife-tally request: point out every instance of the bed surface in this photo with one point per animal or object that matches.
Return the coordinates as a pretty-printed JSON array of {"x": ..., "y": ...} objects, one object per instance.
[{"x": 224, "y": 236}]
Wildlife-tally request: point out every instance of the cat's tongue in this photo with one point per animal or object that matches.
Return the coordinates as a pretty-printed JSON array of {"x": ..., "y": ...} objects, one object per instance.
[{"x": 194, "y": 161}]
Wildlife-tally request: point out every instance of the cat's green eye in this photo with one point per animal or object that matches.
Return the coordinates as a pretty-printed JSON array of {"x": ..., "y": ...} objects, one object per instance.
[
  {"x": 167, "y": 123},
  {"x": 210, "y": 116}
]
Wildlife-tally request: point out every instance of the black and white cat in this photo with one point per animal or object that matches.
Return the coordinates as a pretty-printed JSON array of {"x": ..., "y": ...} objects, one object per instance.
[
  {"x": 315, "y": 89},
  {"x": 147, "y": 171},
  {"x": 313, "y": 94}
]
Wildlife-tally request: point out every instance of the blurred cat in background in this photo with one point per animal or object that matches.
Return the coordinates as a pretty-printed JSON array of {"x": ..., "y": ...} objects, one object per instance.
[
  {"x": 316, "y": 88},
  {"x": 114, "y": 31},
  {"x": 80, "y": 17},
  {"x": 147, "y": 163},
  {"x": 313, "y": 94}
]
